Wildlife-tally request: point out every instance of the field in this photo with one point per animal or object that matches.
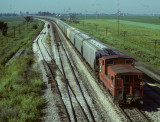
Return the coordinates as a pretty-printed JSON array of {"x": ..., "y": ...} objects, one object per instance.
[
  {"x": 139, "y": 24},
  {"x": 20, "y": 85},
  {"x": 144, "y": 19},
  {"x": 137, "y": 42},
  {"x": 10, "y": 44}
]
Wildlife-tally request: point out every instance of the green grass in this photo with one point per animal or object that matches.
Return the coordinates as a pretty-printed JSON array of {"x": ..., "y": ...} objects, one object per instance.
[
  {"x": 20, "y": 89},
  {"x": 137, "y": 43},
  {"x": 20, "y": 85},
  {"x": 143, "y": 19},
  {"x": 48, "y": 40},
  {"x": 140, "y": 24},
  {"x": 10, "y": 44}
]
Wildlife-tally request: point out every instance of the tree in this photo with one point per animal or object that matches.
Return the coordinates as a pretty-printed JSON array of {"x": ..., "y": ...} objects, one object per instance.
[
  {"x": 28, "y": 19},
  {"x": 73, "y": 17},
  {"x": 3, "y": 28}
]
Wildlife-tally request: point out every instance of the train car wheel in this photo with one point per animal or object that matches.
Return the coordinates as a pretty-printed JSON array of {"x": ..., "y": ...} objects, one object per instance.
[{"x": 106, "y": 89}]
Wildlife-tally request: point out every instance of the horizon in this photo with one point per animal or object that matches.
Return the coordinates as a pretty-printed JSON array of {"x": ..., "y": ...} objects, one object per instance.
[{"x": 87, "y": 6}]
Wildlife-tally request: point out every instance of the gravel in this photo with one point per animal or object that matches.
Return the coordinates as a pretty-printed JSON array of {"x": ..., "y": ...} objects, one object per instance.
[{"x": 52, "y": 109}]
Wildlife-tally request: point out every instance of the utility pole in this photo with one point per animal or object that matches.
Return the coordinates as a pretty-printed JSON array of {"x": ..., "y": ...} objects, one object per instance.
[
  {"x": 124, "y": 35},
  {"x": 14, "y": 31},
  {"x": 118, "y": 12},
  {"x": 107, "y": 30},
  {"x": 85, "y": 14},
  {"x": 96, "y": 26},
  {"x": 155, "y": 42},
  {"x": 23, "y": 25},
  {"x": 96, "y": 16},
  {"x": 19, "y": 29}
]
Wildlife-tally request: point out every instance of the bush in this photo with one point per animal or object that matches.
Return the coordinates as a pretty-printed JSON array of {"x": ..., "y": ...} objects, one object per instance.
[
  {"x": 35, "y": 26},
  {"x": 20, "y": 100}
]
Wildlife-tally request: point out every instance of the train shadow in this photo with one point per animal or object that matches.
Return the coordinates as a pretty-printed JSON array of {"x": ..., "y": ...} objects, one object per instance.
[{"x": 151, "y": 101}]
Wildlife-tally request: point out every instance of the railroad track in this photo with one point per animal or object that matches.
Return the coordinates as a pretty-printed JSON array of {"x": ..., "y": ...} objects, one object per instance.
[
  {"x": 69, "y": 89},
  {"x": 133, "y": 114},
  {"x": 48, "y": 67},
  {"x": 74, "y": 86}
]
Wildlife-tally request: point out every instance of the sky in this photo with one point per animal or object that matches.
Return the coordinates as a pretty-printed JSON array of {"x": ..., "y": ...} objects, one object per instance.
[{"x": 81, "y": 6}]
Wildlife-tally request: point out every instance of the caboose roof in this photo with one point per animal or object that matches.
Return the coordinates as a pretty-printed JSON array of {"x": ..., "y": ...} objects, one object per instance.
[{"x": 122, "y": 69}]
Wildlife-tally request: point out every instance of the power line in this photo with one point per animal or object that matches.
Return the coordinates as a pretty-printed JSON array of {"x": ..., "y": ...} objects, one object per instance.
[{"x": 118, "y": 13}]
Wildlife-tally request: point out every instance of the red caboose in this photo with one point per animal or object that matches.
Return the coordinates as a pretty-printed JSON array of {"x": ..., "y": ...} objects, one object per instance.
[{"x": 121, "y": 78}]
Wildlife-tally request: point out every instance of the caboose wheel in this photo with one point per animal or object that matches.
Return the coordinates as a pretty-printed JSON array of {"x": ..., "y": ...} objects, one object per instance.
[
  {"x": 115, "y": 101},
  {"x": 106, "y": 89}
]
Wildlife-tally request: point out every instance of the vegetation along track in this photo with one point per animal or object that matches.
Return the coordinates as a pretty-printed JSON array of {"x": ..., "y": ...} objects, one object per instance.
[
  {"x": 49, "y": 67},
  {"x": 72, "y": 81}
]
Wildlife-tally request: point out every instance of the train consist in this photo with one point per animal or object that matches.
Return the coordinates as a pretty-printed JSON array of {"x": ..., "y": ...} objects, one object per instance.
[{"x": 115, "y": 70}]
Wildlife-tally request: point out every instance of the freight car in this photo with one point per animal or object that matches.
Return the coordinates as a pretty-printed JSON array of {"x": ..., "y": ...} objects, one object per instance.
[{"x": 115, "y": 70}]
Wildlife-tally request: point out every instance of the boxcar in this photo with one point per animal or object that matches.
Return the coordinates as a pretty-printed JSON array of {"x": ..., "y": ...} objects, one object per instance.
[
  {"x": 66, "y": 26},
  {"x": 89, "y": 51},
  {"x": 79, "y": 38},
  {"x": 72, "y": 35},
  {"x": 69, "y": 30}
]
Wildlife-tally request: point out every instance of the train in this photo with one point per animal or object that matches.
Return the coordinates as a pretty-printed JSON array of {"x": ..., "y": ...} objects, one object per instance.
[{"x": 115, "y": 70}]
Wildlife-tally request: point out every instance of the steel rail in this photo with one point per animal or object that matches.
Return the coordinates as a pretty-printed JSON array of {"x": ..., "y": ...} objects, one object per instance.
[{"x": 54, "y": 80}]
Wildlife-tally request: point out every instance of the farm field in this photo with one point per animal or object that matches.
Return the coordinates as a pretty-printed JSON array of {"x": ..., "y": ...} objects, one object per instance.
[
  {"x": 20, "y": 85},
  {"x": 137, "y": 42},
  {"x": 144, "y": 19},
  {"x": 140, "y": 24}
]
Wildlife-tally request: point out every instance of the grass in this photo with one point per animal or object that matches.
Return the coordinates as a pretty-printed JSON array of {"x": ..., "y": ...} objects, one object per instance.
[
  {"x": 20, "y": 89},
  {"x": 48, "y": 40},
  {"x": 140, "y": 24},
  {"x": 10, "y": 44},
  {"x": 20, "y": 85},
  {"x": 143, "y": 19},
  {"x": 137, "y": 43}
]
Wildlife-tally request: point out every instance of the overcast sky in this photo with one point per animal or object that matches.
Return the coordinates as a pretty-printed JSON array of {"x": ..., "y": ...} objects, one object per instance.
[{"x": 102, "y": 6}]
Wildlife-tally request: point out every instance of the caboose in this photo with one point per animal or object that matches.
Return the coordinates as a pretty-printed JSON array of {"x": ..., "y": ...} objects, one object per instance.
[{"x": 121, "y": 78}]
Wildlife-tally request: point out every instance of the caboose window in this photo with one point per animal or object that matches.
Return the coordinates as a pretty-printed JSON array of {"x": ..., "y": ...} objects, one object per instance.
[
  {"x": 109, "y": 62},
  {"x": 103, "y": 62},
  {"x": 129, "y": 61}
]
